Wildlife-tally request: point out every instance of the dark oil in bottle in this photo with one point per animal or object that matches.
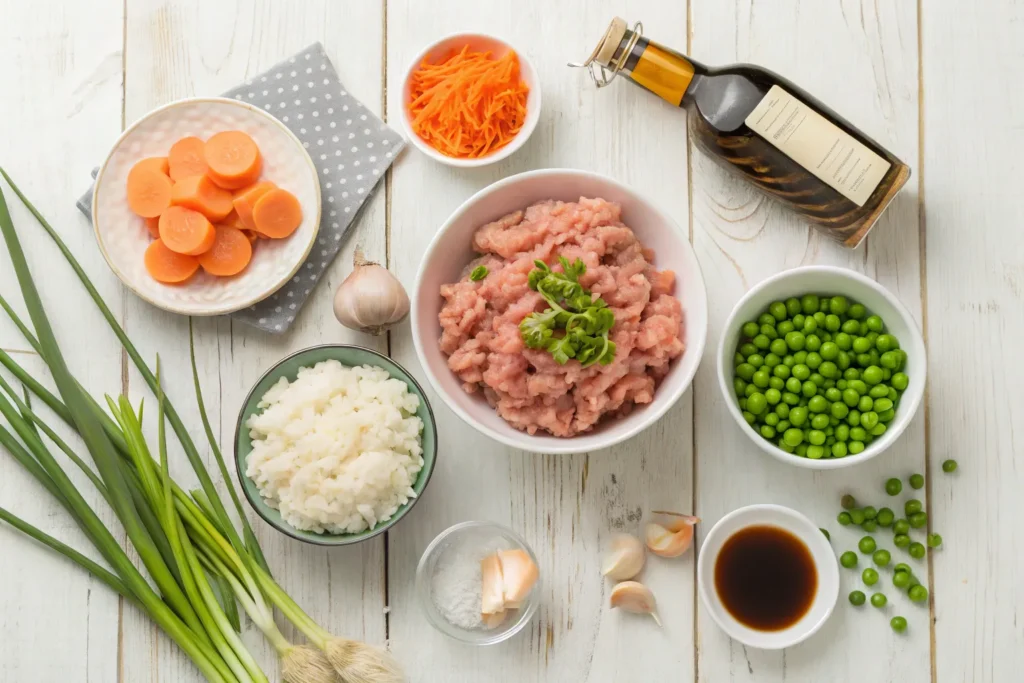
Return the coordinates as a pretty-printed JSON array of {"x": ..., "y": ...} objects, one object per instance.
[
  {"x": 766, "y": 130},
  {"x": 765, "y": 577}
]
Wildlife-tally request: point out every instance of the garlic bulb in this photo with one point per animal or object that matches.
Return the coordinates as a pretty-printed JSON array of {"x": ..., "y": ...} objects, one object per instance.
[
  {"x": 624, "y": 558},
  {"x": 635, "y": 597},
  {"x": 371, "y": 298},
  {"x": 671, "y": 535}
]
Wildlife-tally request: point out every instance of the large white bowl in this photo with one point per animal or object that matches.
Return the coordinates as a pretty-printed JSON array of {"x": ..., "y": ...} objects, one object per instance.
[
  {"x": 123, "y": 238},
  {"x": 828, "y": 280},
  {"x": 451, "y": 250},
  {"x": 825, "y": 565}
]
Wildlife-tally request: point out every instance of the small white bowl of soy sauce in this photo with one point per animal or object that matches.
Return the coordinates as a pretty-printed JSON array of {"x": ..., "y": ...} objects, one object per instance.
[{"x": 768, "y": 576}]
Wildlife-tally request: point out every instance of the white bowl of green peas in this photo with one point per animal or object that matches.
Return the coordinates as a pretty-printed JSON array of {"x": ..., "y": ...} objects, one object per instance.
[{"x": 821, "y": 367}]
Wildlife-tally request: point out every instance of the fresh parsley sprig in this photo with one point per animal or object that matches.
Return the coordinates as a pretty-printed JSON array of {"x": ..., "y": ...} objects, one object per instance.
[{"x": 576, "y": 325}]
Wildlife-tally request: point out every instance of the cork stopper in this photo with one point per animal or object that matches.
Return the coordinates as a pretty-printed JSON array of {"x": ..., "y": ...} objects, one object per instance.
[{"x": 605, "y": 50}]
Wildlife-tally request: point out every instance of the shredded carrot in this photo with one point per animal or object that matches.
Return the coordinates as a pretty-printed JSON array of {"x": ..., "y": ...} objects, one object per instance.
[{"x": 469, "y": 104}]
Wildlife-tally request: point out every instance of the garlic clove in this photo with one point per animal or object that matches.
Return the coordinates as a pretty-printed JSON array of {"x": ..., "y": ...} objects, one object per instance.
[
  {"x": 371, "y": 298},
  {"x": 491, "y": 586},
  {"x": 494, "y": 620},
  {"x": 624, "y": 558},
  {"x": 671, "y": 535},
  {"x": 519, "y": 573},
  {"x": 635, "y": 597}
]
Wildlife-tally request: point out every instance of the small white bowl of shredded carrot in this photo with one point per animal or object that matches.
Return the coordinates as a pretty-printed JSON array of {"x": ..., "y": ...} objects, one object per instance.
[
  {"x": 206, "y": 206},
  {"x": 470, "y": 100}
]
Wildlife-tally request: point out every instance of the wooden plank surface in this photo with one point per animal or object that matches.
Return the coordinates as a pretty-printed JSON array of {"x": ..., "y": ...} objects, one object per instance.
[{"x": 949, "y": 248}]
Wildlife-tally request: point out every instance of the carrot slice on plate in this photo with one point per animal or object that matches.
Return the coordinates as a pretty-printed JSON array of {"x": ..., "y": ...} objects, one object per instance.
[
  {"x": 185, "y": 158},
  {"x": 149, "y": 191},
  {"x": 250, "y": 235},
  {"x": 168, "y": 266},
  {"x": 233, "y": 159},
  {"x": 186, "y": 231},
  {"x": 230, "y": 253},
  {"x": 197, "y": 192},
  {"x": 153, "y": 225},
  {"x": 246, "y": 199},
  {"x": 155, "y": 163},
  {"x": 277, "y": 214}
]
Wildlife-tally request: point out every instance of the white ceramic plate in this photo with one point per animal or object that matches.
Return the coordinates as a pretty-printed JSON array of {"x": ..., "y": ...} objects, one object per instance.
[
  {"x": 123, "y": 238},
  {"x": 824, "y": 563},
  {"x": 452, "y": 249}
]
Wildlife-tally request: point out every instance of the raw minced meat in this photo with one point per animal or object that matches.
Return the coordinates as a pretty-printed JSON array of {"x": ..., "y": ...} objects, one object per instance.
[{"x": 480, "y": 320}]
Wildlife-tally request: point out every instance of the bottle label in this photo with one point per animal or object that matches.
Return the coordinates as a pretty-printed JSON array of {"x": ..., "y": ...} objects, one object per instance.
[
  {"x": 823, "y": 148},
  {"x": 664, "y": 73}
]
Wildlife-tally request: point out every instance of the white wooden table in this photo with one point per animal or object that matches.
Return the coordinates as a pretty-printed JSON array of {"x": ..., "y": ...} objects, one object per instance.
[{"x": 937, "y": 81}]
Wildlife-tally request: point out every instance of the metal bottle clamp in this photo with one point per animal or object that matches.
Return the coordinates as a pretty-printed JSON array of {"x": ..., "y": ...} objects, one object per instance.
[{"x": 604, "y": 73}]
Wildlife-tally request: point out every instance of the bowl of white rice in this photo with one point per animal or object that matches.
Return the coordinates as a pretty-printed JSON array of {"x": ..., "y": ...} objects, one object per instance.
[{"x": 335, "y": 444}]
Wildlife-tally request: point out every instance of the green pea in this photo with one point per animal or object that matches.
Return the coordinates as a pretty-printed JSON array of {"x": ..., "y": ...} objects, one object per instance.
[
  {"x": 809, "y": 303},
  {"x": 801, "y": 372},
  {"x": 857, "y": 598},
  {"x": 776, "y": 383},
  {"x": 778, "y": 347},
  {"x": 840, "y": 449},
  {"x": 893, "y": 486},
  {"x": 848, "y": 502},
  {"x": 878, "y": 600},
  {"x": 771, "y": 419},
  {"x": 816, "y": 437},
  {"x": 844, "y": 518},
  {"x": 901, "y": 579},
  {"x": 890, "y": 360},
  {"x": 916, "y": 550},
  {"x": 885, "y": 517},
  {"x": 773, "y": 396},
  {"x": 867, "y": 545},
  {"x": 844, "y": 341},
  {"x": 809, "y": 389},
  {"x": 749, "y": 417},
  {"x": 863, "y": 359},
  {"x": 839, "y": 410},
  {"x": 857, "y": 516},
  {"x": 934, "y": 540},
  {"x": 784, "y": 447},
  {"x": 817, "y": 379},
  {"x": 880, "y": 391},
  {"x": 750, "y": 390},
  {"x": 794, "y": 437},
  {"x": 781, "y": 371},
  {"x": 858, "y": 434},
  {"x": 881, "y": 558},
  {"x": 918, "y": 520},
  {"x": 817, "y": 404},
  {"x": 856, "y": 447},
  {"x": 767, "y": 431},
  {"x": 815, "y": 452},
  {"x": 869, "y": 576},
  {"x": 898, "y": 624},
  {"x": 769, "y": 331},
  {"x": 865, "y": 404},
  {"x": 748, "y": 349},
  {"x": 757, "y": 403},
  {"x": 785, "y": 327},
  {"x": 813, "y": 360},
  {"x": 848, "y": 559},
  {"x": 790, "y": 398},
  {"x": 842, "y": 432},
  {"x": 949, "y": 466},
  {"x": 829, "y": 351},
  {"x": 801, "y": 450},
  {"x": 761, "y": 342},
  {"x": 832, "y": 322},
  {"x": 778, "y": 310},
  {"x": 825, "y": 533},
  {"x": 810, "y": 326},
  {"x": 766, "y": 319},
  {"x": 796, "y": 340},
  {"x": 911, "y": 506},
  {"x": 850, "y": 396},
  {"x": 760, "y": 379},
  {"x": 851, "y": 374},
  {"x": 868, "y": 420},
  {"x": 746, "y": 371},
  {"x": 901, "y": 526},
  {"x": 853, "y": 419},
  {"x": 800, "y": 357},
  {"x": 750, "y": 329},
  {"x": 783, "y": 410},
  {"x": 794, "y": 384},
  {"x": 901, "y": 540},
  {"x": 918, "y": 593},
  {"x": 739, "y": 386},
  {"x": 872, "y": 375},
  {"x": 832, "y": 394},
  {"x": 829, "y": 370},
  {"x": 900, "y": 381},
  {"x": 789, "y": 361},
  {"x": 798, "y": 321},
  {"x": 783, "y": 424},
  {"x": 902, "y": 567},
  {"x": 875, "y": 324},
  {"x": 869, "y": 525},
  {"x": 819, "y": 422},
  {"x": 793, "y": 305},
  {"x": 771, "y": 360},
  {"x": 851, "y": 327}
]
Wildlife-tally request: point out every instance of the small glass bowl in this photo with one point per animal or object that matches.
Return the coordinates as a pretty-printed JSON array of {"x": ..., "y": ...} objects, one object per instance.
[{"x": 485, "y": 533}]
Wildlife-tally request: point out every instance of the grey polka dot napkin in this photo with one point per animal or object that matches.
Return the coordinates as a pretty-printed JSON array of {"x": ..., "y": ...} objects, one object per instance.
[{"x": 350, "y": 147}]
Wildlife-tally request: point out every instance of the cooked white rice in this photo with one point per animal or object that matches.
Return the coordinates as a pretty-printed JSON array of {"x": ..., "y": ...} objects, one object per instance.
[{"x": 338, "y": 449}]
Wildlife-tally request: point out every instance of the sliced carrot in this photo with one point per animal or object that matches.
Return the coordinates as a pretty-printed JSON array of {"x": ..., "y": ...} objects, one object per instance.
[
  {"x": 230, "y": 253},
  {"x": 149, "y": 191},
  {"x": 277, "y": 214},
  {"x": 233, "y": 159},
  {"x": 251, "y": 235},
  {"x": 186, "y": 158},
  {"x": 155, "y": 163},
  {"x": 153, "y": 225},
  {"x": 468, "y": 104},
  {"x": 197, "y": 192},
  {"x": 186, "y": 231},
  {"x": 232, "y": 220},
  {"x": 246, "y": 198},
  {"x": 168, "y": 266}
]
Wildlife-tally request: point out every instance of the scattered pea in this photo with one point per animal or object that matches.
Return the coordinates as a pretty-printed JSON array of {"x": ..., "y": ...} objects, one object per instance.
[
  {"x": 867, "y": 545},
  {"x": 902, "y": 567},
  {"x": 898, "y": 624},
  {"x": 893, "y": 486},
  {"x": 916, "y": 550},
  {"x": 901, "y": 540},
  {"x": 857, "y": 516},
  {"x": 916, "y": 481},
  {"x": 826, "y": 534},
  {"x": 848, "y": 502},
  {"x": 911, "y": 506},
  {"x": 918, "y": 520},
  {"x": 857, "y": 598},
  {"x": 869, "y": 525},
  {"x": 949, "y": 466},
  {"x": 870, "y": 512},
  {"x": 934, "y": 540},
  {"x": 885, "y": 517},
  {"x": 918, "y": 593},
  {"x": 844, "y": 518},
  {"x": 901, "y": 579},
  {"x": 901, "y": 526},
  {"x": 881, "y": 558},
  {"x": 848, "y": 559},
  {"x": 878, "y": 600},
  {"x": 869, "y": 576}
]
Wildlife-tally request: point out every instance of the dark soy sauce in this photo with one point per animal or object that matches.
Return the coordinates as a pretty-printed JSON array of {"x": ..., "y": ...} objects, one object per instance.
[{"x": 765, "y": 577}]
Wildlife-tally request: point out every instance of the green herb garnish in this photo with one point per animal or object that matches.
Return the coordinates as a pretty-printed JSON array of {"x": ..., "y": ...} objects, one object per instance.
[
  {"x": 576, "y": 325},
  {"x": 479, "y": 273}
]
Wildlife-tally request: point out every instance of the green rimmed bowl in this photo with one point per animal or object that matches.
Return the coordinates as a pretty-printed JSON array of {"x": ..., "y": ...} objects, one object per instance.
[{"x": 289, "y": 367}]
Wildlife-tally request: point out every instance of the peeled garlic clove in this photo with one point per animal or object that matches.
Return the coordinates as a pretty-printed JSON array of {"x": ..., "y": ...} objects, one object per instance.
[
  {"x": 624, "y": 559},
  {"x": 519, "y": 573},
  {"x": 635, "y": 597},
  {"x": 371, "y": 298},
  {"x": 672, "y": 535},
  {"x": 491, "y": 586}
]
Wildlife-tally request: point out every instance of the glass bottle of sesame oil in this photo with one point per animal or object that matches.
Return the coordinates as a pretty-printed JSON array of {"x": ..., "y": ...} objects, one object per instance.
[{"x": 765, "y": 129}]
